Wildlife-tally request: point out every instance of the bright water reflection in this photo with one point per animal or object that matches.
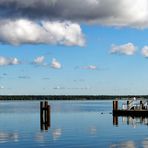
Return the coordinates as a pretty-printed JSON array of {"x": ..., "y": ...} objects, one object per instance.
[{"x": 73, "y": 124}]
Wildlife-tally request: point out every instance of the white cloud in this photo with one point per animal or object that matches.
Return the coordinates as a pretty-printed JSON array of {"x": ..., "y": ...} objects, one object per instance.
[
  {"x": 127, "y": 49},
  {"x": 58, "y": 87},
  {"x": 65, "y": 33},
  {"x": 39, "y": 60},
  {"x": 14, "y": 61},
  {"x": 72, "y": 88},
  {"x": 145, "y": 51},
  {"x": 1, "y": 87},
  {"x": 55, "y": 64},
  {"x": 8, "y": 61},
  {"x": 90, "y": 67},
  {"x": 24, "y": 31}
]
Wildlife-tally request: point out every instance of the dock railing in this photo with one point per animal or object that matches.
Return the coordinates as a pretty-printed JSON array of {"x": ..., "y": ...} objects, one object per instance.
[
  {"x": 145, "y": 104},
  {"x": 135, "y": 104},
  {"x": 130, "y": 104}
]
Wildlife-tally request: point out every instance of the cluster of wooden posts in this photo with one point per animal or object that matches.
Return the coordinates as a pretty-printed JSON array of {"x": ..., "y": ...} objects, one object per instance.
[{"x": 44, "y": 115}]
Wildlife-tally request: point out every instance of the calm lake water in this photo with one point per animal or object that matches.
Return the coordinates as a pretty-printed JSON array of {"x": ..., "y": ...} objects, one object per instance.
[{"x": 73, "y": 124}]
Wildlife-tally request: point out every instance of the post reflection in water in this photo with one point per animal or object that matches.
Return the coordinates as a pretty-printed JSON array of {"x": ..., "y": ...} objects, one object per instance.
[
  {"x": 44, "y": 115},
  {"x": 131, "y": 120},
  {"x": 115, "y": 120}
]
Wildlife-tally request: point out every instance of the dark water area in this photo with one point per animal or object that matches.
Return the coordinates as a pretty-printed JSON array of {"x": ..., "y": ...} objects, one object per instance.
[{"x": 73, "y": 124}]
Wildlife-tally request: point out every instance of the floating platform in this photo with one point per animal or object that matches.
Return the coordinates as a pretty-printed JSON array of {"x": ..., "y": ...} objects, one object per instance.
[{"x": 136, "y": 108}]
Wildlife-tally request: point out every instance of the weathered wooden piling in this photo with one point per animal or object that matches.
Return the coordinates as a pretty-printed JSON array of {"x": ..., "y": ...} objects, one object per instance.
[
  {"x": 44, "y": 115},
  {"x": 48, "y": 116},
  {"x": 115, "y": 105}
]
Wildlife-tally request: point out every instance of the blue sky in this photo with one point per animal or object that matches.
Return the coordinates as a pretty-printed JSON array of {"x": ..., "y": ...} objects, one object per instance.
[{"x": 77, "y": 56}]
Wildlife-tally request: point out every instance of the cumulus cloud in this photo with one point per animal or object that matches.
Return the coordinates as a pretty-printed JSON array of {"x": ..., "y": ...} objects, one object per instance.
[
  {"x": 105, "y": 12},
  {"x": 8, "y": 61},
  {"x": 39, "y": 60},
  {"x": 127, "y": 49},
  {"x": 55, "y": 64},
  {"x": 25, "y": 31},
  {"x": 145, "y": 51}
]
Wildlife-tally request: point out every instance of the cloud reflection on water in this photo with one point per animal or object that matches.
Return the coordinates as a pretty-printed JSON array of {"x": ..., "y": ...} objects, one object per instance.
[
  {"x": 145, "y": 143},
  {"x": 127, "y": 144},
  {"x": 93, "y": 130},
  {"x": 130, "y": 144},
  {"x": 6, "y": 137},
  {"x": 39, "y": 137},
  {"x": 56, "y": 133}
]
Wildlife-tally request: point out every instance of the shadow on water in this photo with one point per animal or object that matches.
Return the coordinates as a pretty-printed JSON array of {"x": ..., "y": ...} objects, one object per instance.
[{"x": 44, "y": 116}]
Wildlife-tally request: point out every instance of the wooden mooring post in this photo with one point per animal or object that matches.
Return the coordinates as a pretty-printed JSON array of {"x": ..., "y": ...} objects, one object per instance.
[
  {"x": 44, "y": 115},
  {"x": 115, "y": 105}
]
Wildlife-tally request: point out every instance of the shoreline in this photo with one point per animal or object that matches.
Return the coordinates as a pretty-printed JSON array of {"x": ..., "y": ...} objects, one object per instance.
[{"x": 70, "y": 97}]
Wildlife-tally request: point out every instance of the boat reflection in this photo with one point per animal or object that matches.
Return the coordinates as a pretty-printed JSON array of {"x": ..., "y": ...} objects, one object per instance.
[{"x": 131, "y": 120}]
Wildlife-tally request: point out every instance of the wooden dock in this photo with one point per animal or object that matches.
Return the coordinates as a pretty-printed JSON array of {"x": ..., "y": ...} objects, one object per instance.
[{"x": 138, "y": 110}]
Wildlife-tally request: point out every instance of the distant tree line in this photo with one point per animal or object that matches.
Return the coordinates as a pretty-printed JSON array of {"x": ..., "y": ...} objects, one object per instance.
[{"x": 68, "y": 97}]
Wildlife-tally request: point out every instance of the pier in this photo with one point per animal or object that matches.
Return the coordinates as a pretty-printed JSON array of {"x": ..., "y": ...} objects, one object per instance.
[{"x": 134, "y": 107}]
